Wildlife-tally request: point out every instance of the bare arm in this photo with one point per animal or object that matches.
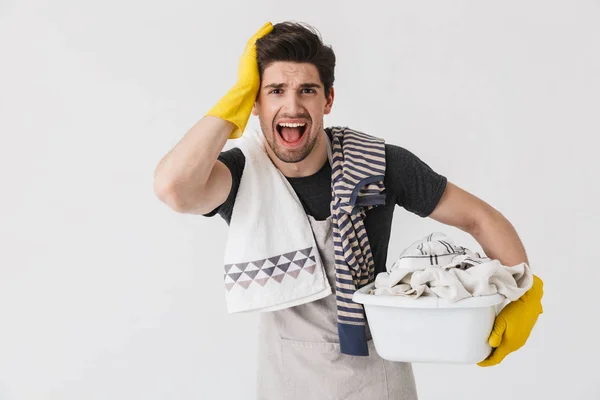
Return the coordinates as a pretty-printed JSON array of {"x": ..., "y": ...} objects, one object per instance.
[
  {"x": 488, "y": 226},
  {"x": 190, "y": 179}
]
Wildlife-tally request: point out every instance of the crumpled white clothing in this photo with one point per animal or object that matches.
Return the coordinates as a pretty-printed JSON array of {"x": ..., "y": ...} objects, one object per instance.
[{"x": 435, "y": 266}]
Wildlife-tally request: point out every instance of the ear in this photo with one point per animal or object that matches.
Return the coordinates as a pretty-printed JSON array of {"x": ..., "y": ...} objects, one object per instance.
[
  {"x": 329, "y": 102},
  {"x": 256, "y": 104}
]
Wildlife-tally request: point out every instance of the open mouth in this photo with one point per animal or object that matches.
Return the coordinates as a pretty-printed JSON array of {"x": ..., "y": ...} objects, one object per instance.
[{"x": 291, "y": 133}]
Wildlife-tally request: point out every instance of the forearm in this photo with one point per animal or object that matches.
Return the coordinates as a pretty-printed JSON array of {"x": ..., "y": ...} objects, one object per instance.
[
  {"x": 188, "y": 165},
  {"x": 499, "y": 239}
]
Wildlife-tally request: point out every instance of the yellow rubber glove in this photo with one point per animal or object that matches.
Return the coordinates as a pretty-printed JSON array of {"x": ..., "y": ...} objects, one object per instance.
[
  {"x": 514, "y": 324},
  {"x": 236, "y": 105}
]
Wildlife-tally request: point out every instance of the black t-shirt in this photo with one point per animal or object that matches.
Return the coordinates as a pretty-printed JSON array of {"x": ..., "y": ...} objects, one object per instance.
[{"x": 409, "y": 183}]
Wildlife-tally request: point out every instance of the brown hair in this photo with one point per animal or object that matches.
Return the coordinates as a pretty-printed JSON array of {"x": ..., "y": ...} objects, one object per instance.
[{"x": 297, "y": 42}]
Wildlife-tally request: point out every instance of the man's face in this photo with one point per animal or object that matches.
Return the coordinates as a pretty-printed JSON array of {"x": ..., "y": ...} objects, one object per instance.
[{"x": 290, "y": 107}]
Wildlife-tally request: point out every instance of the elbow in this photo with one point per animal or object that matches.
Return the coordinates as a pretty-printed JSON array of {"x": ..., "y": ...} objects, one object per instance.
[
  {"x": 165, "y": 188},
  {"x": 487, "y": 217},
  {"x": 167, "y": 194}
]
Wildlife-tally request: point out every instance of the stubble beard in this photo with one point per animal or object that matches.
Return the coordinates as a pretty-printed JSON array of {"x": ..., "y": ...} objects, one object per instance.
[{"x": 291, "y": 156}]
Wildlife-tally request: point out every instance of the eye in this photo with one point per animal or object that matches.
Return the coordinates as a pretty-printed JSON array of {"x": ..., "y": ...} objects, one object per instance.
[
  {"x": 309, "y": 90},
  {"x": 275, "y": 90}
]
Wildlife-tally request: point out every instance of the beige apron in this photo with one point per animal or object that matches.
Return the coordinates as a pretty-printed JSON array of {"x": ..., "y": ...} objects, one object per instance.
[{"x": 299, "y": 352}]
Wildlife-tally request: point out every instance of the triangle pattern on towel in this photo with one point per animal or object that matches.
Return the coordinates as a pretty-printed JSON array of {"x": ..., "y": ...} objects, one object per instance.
[{"x": 279, "y": 267}]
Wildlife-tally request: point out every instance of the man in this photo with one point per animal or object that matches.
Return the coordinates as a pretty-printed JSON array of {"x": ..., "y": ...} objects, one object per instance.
[{"x": 285, "y": 78}]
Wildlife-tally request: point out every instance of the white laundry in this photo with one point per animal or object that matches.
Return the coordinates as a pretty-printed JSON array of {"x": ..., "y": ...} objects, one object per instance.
[{"x": 435, "y": 266}]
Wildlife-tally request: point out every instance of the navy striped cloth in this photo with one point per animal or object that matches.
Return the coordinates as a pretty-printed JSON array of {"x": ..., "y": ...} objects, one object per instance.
[{"x": 358, "y": 169}]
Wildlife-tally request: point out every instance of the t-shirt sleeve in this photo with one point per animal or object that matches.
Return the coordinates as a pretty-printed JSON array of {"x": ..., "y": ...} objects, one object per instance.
[
  {"x": 417, "y": 187},
  {"x": 234, "y": 160}
]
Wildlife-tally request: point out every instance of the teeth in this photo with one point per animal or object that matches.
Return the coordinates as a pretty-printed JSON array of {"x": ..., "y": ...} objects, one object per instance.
[{"x": 291, "y": 125}]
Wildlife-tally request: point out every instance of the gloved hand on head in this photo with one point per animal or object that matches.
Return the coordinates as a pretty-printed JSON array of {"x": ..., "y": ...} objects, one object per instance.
[{"x": 236, "y": 105}]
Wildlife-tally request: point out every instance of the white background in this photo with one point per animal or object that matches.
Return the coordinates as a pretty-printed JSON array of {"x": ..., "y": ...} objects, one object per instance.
[{"x": 106, "y": 293}]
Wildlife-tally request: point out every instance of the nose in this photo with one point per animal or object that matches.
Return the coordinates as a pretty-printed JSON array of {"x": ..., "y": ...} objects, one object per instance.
[{"x": 293, "y": 104}]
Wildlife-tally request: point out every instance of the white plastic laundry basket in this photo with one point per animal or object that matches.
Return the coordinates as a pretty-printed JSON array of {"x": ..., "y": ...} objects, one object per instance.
[{"x": 430, "y": 329}]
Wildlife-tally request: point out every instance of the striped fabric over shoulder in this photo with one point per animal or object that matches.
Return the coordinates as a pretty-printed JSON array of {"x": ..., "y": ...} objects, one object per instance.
[{"x": 358, "y": 170}]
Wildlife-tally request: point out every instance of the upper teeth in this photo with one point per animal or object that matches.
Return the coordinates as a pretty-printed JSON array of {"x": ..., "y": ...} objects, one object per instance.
[{"x": 291, "y": 125}]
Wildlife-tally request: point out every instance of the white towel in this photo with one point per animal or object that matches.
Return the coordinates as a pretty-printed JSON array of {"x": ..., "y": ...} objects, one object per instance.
[
  {"x": 271, "y": 258},
  {"x": 435, "y": 266}
]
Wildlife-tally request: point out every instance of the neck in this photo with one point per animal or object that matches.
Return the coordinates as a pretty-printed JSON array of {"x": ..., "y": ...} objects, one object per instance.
[{"x": 309, "y": 166}]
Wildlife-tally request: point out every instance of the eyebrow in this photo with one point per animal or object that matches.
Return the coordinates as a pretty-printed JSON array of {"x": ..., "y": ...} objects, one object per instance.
[{"x": 284, "y": 85}]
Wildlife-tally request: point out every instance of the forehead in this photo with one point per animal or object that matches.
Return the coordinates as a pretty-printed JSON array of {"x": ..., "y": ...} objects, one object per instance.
[{"x": 291, "y": 73}]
